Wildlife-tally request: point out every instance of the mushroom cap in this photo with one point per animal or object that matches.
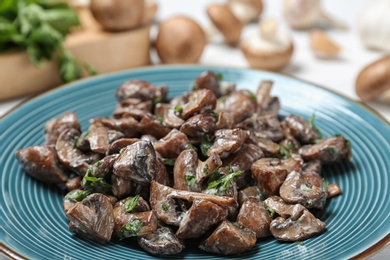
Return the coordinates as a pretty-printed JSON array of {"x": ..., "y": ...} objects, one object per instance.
[
  {"x": 226, "y": 22},
  {"x": 374, "y": 79},
  {"x": 117, "y": 15},
  {"x": 246, "y": 10},
  {"x": 180, "y": 40},
  {"x": 150, "y": 11},
  {"x": 260, "y": 57}
]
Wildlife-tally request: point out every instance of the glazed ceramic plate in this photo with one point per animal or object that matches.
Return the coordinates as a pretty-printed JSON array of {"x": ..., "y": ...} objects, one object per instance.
[{"x": 34, "y": 225}]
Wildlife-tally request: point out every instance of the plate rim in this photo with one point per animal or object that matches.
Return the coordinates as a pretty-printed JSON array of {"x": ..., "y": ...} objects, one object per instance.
[{"x": 9, "y": 252}]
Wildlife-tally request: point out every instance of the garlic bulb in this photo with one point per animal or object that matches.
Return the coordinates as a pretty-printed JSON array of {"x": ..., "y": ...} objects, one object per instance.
[
  {"x": 374, "y": 26},
  {"x": 305, "y": 14}
]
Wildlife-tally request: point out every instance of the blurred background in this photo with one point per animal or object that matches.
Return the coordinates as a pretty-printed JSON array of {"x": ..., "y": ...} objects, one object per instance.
[{"x": 328, "y": 43}]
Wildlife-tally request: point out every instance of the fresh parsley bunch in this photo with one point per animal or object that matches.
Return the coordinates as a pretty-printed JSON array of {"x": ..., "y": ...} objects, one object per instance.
[{"x": 40, "y": 28}]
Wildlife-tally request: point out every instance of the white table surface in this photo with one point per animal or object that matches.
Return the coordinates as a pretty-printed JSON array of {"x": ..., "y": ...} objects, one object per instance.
[{"x": 338, "y": 75}]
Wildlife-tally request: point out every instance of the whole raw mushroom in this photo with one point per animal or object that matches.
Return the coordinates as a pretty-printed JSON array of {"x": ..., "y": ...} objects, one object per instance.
[
  {"x": 180, "y": 40},
  {"x": 118, "y": 15},
  {"x": 225, "y": 22},
  {"x": 374, "y": 80},
  {"x": 269, "y": 49}
]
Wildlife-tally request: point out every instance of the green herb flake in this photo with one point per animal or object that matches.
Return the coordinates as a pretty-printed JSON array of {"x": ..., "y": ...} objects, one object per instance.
[
  {"x": 333, "y": 151},
  {"x": 206, "y": 168},
  {"x": 313, "y": 126},
  {"x": 189, "y": 147},
  {"x": 79, "y": 195},
  {"x": 221, "y": 184},
  {"x": 283, "y": 151},
  {"x": 215, "y": 115},
  {"x": 178, "y": 109},
  {"x": 94, "y": 182},
  {"x": 157, "y": 100},
  {"x": 271, "y": 212},
  {"x": 220, "y": 76},
  {"x": 130, "y": 204},
  {"x": 194, "y": 86},
  {"x": 168, "y": 161},
  {"x": 252, "y": 96},
  {"x": 190, "y": 180},
  {"x": 132, "y": 228},
  {"x": 165, "y": 207},
  {"x": 300, "y": 243}
]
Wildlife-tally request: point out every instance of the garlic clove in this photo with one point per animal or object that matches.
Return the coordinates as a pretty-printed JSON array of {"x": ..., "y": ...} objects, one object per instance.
[
  {"x": 306, "y": 14},
  {"x": 322, "y": 45},
  {"x": 269, "y": 49},
  {"x": 374, "y": 26}
]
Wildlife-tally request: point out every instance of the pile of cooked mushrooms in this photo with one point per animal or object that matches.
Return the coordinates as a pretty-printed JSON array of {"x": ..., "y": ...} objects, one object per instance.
[{"x": 216, "y": 163}]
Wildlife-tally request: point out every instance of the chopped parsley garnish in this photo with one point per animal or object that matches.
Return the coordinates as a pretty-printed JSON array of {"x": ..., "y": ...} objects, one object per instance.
[
  {"x": 79, "y": 195},
  {"x": 219, "y": 184},
  {"x": 168, "y": 161},
  {"x": 178, "y": 109},
  {"x": 271, "y": 212},
  {"x": 165, "y": 207},
  {"x": 313, "y": 126},
  {"x": 194, "y": 86},
  {"x": 189, "y": 147},
  {"x": 205, "y": 144},
  {"x": 220, "y": 76},
  {"x": 206, "y": 168},
  {"x": 130, "y": 204},
  {"x": 252, "y": 96},
  {"x": 333, "y": 151},
  {"x": 283, "y": 151},
  {"x": 157, "y": 100},
  {"x": 131, "y": 228},
  {"x": 94, "y": 182},
  {"x": 190, "y": 180},
  {"x": 215, "y": 115}
]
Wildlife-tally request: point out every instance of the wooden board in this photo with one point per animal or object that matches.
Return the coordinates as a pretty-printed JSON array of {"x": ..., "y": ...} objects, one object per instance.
[{"x": 106, "y": 51}]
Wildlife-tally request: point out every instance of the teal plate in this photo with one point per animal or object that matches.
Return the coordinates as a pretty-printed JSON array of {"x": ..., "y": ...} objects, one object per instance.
[{"x": 33, "y": 224}]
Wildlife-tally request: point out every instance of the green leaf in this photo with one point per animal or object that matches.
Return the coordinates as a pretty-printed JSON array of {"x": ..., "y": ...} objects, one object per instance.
[
  {"x": 94, "y": 183},
  {"x": 312, "y": 125},
  {"x": 130, "y": 204},
  {"x": 178, "y": 108},
  {"x": 220, "y": 76},
  {"x": 221, "y": 184},
  {"x": 131, "y": 228},
  {"x": 190, "y": 180},
  {"x": 69, "y": 68},
  {"x": 165, "y": 207},
  {"x": 283, "y": 151},
  {"x": 79, "y": 195}
]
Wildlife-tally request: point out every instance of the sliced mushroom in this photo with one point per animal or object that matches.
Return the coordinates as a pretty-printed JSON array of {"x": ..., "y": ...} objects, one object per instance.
[
  {"x": 98, "y": 138},
  {"x": 184, "y": 171},
  {"x": 42, "y": 163},
  {"x": 198, "y": 101},
  {"x": 117, "y": 145},
  {"x": 285, "y": 210},
  {"x": 136, "y": 162},
  {"x": 168, "y": 116},
  {"x": 133, "y": 107},
  {"x": 55, "y": 127},
  {"x": 208, "y": 80},
  {"x": 250, "y": 192},
  {"x": 333, "y": 190},
  {"x": 200, "y": 218},
  {"x": 151, "y": 126},
  {"x": 328, "y": 150},
  {"x": 301, "y": 129},
  {"x": 242, "y": 161},
  {"x": 267, "y": 104},
  {"x": 241, "y": 104},
  {"x": 226, "y": 22},
  {"x": 71, "y": 157},
  {"x": 255, "y": 216},
  {"x": 121, "y": 187},
  {"x": 198, "y": 125},
  {"x": 92, "y": 218},
  {"x": 227, "y": 141},
  {"x": 269, "y": 147},
  {"x": 73, "y": 183},
  {"x": 305, "y": 226},
  {"x": 162, "y": 242},
  {"x": 128, "y": 126},
  {"x": 270, "y": 173},
  {"x": 142, "y": 90},
  {"x": 162, "y": 201},
  {"x": 306, "y": 189},
  {"x": 134, "y": 224},
  {"x": 103, "y": 168},
  {"x": 172, "y": 144},
  {"x": 228, "y": 239}
]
